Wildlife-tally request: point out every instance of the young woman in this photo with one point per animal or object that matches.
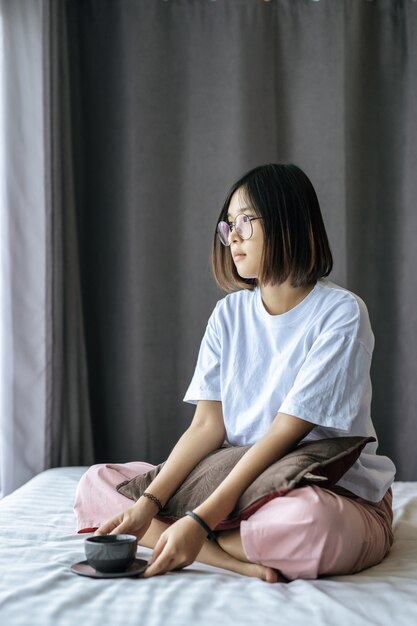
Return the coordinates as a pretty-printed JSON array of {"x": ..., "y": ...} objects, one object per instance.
[{"x": 285, "y": 357}]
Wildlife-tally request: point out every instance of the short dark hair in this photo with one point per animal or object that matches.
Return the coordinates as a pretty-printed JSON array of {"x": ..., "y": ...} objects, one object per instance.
[{"x": 296, "y": 243}]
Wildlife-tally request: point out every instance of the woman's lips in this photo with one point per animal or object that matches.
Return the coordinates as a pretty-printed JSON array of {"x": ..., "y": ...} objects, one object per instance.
[{"x": 238, "y": 256}]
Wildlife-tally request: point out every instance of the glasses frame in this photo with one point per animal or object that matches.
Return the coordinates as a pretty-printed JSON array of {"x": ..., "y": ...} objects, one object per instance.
[{"x": 232, "y": 225}]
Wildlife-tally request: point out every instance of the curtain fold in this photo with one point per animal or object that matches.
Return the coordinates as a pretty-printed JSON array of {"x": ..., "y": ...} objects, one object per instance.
[
  {"x": 45, "y": 418},
  {"x": 142, "y": 114},
  {"x": 68, "y": 430}
]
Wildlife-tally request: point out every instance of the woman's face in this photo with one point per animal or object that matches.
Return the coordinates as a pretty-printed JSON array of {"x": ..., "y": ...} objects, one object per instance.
[{"x": 246, "y": 253}]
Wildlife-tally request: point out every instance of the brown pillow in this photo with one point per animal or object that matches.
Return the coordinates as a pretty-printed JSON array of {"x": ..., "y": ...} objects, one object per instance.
[{"x": 322, "y": 462}]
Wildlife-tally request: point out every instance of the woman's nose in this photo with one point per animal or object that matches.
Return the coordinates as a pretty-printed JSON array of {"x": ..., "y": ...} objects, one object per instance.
[{"x": 233, "y": 236}]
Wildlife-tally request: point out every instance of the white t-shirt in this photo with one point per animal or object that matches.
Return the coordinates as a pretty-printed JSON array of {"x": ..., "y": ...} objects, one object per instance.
[{"x": 312, "y": 362}]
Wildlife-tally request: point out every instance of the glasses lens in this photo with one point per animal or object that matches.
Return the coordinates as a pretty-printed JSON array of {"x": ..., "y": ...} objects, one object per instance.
[
  {"x": 223, "y": 231},
  {"x": 243, "y": 226}
]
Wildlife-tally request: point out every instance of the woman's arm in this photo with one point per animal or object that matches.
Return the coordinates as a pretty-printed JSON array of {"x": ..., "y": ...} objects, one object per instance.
[
  {"x": 205, "y": 434},
  {"x": 284, "y": 434}
]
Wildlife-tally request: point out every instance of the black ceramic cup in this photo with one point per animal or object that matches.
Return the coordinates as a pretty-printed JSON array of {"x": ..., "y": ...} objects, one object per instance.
[{"x": 111, "y": 553}]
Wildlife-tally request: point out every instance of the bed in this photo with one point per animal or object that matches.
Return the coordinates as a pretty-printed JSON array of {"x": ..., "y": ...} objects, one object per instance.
[{"x": 37, "y": 587}]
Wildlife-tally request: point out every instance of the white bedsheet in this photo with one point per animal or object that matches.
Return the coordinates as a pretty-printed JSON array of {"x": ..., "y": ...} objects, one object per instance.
[{"x": 38, "y": 544}]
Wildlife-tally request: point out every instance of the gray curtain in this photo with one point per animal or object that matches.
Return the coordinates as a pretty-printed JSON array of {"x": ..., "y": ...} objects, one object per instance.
[
  {"x": 156, "y": 107},
  {"x": 68, "y": 426}
]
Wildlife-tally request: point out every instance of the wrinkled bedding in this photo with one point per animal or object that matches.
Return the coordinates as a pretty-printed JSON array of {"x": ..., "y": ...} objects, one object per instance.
[{"x": 38, "y": 544}]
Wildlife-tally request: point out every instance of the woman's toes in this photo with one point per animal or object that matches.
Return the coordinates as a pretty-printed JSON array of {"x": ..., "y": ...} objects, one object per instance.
[{"x": 274, "y": 576}]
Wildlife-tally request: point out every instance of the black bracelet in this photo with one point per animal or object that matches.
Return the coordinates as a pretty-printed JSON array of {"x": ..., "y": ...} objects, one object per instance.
[
  {"x": 210, "y": 533},
  {"x": 154, "y": 499}
]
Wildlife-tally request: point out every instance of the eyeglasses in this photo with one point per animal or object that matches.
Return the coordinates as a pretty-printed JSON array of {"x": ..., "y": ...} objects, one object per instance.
[{"x": 242, "y": 225}]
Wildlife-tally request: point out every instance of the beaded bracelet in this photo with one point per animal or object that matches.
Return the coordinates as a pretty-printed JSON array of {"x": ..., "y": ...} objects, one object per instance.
[
  {"x": 210, "y": 533},
  {"x": 154, "y": 499}
]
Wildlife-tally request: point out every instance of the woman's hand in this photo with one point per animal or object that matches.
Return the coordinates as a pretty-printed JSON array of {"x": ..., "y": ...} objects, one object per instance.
[
  {"x": 133, "y": 521},
  {"x": 177, "y": 547}
]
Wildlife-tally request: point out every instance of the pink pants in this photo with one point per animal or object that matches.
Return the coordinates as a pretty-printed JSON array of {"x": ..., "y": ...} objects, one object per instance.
[{"x": 307, "y": 533}]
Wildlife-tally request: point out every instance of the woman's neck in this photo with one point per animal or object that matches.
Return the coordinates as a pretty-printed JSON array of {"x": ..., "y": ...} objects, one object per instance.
[{"x": 282, "y": 298}]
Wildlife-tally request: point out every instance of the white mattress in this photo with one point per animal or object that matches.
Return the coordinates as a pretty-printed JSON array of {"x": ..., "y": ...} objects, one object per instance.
[{"x": 38, "y": 544}]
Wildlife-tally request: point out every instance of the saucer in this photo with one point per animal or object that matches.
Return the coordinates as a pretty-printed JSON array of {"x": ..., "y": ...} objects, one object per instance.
[{"x": 84, "y": 569}]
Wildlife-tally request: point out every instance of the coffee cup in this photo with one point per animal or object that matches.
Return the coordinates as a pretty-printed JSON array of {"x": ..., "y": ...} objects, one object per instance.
[{"x": 110, "y": 553}]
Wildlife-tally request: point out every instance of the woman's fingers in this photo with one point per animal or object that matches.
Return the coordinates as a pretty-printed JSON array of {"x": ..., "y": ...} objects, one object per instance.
[
  {"x": 165, "y": 558},
  {"x": 158, "y": 549},
  {"x": 122, "y": 526},
  {"x": 161, "y": 558},
  {"x": 119, "y": 530},
  {"x": 107, "y": 527},
  {"x": 123, "y": 523},
  {"x": 160, "y": 566}
]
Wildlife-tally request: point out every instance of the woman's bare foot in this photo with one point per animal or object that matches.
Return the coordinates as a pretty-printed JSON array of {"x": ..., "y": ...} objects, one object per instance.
[
  {"x": 274, "y": 576},
  {"x": 269, "y": 574}
]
